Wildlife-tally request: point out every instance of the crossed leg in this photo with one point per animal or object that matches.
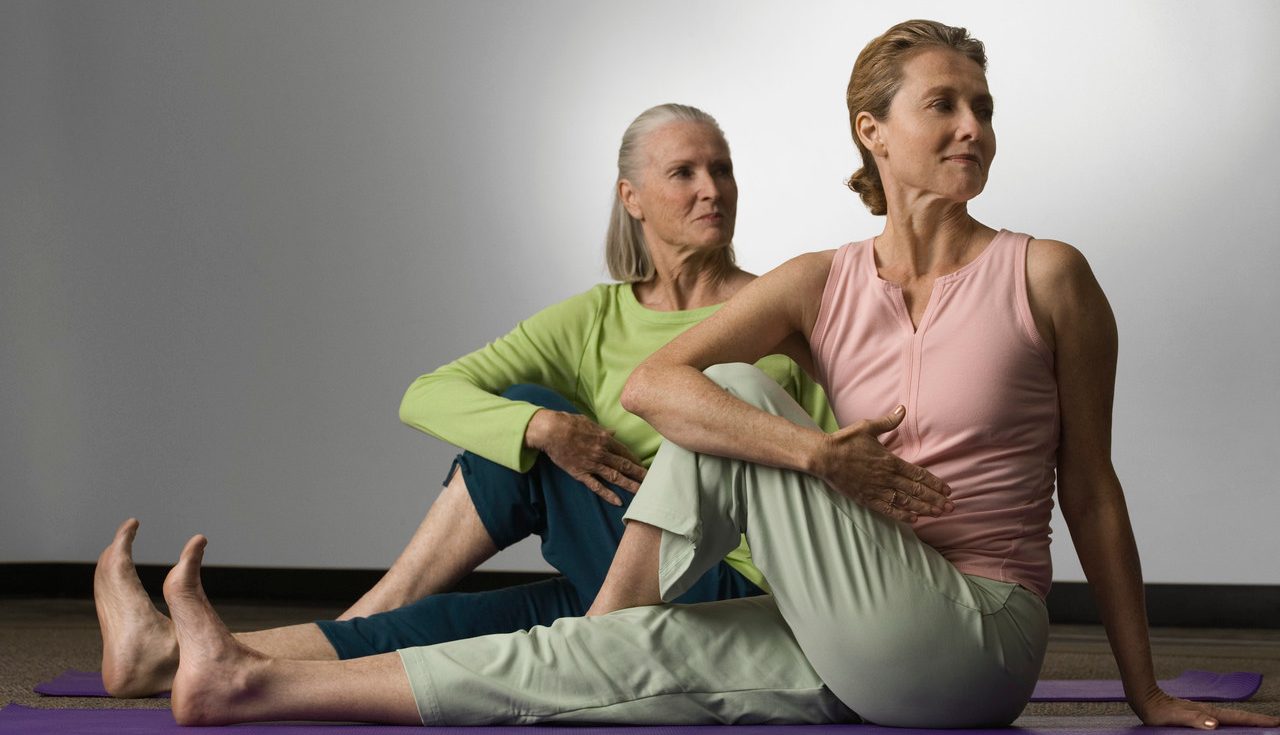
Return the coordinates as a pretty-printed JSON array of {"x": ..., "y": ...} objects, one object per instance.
[{"x": 895, "y": 630}]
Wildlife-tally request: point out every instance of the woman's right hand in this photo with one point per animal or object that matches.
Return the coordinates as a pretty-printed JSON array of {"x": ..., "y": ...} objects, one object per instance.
[
  {"x": 586, "y": 450},
  {"x": 855, "y": 463}
]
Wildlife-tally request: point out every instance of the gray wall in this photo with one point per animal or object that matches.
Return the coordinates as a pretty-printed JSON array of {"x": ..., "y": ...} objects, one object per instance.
[{"x": 231, "y": 233}]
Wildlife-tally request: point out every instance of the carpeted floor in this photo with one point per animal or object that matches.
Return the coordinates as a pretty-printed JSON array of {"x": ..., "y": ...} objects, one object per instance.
[{"x": 41, "y": 638}]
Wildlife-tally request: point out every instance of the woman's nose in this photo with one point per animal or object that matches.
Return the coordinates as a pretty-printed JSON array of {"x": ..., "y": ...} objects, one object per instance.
[
  {"x": 969, "y": 127},
  {"x": 708, "y": 186}
]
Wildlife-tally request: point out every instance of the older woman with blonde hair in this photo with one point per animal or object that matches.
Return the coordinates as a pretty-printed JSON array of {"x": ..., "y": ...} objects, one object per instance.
[
  {"x": 549, "y": 449},
  {"x": 907, "y": 552}
]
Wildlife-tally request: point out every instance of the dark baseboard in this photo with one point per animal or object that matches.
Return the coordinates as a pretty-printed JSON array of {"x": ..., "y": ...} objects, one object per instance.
[
  {"x": 1173, "y": 605},
  {"x": 1179, "y": 605},
  {"x": 238, "y": 584}
]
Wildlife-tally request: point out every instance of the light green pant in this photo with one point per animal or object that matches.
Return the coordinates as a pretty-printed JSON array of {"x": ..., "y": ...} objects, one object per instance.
[{"x": 864, "y": 618}]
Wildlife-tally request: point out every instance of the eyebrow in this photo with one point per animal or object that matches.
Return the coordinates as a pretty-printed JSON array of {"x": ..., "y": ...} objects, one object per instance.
[
  {"x": 943, "y": 88},
  {"x": 688, "y": 162}
]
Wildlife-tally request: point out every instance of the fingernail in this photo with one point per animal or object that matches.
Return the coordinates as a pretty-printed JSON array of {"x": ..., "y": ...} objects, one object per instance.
[
  {"x": 1210, "y": 723},
  {"x": 900, "y": 409},
  {"x": 949, "y": 506},
  {"x": 912, "y": 518}
]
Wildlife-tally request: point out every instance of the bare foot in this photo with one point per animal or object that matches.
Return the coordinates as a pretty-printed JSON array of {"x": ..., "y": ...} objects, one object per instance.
[
  {"x": 139, "y": 650},
  {"x": 219, "y": 680}
]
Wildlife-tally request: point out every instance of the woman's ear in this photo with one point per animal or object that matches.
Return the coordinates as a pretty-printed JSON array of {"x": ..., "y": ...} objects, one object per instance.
[
  {"x": 630, "y": 199},
  {"x": 869, "y": 132}
]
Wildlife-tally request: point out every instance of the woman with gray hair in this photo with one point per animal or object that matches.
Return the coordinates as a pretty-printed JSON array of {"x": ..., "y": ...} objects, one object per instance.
[{"x": 549, "y": 449}]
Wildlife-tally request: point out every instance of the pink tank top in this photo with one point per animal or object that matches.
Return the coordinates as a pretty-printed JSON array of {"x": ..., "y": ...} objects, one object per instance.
[{"x": 980, "y": 392}]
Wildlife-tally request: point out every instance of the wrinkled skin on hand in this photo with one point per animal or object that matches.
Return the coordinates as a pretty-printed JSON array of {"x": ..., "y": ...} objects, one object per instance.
[{"x": 587, "y": 451}]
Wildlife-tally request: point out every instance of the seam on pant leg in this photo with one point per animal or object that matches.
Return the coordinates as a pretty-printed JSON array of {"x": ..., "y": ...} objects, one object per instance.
[
  {"x": 673, "y": 574},
  {"x": 665, "y": 519},
  {"x": 995, "y": 592},
  {"x": 1034, "y": 640},
  {"x": 674, "y": 563},
  {"x": 424, "y": 697},
  {"x": 541, "y": 716}
]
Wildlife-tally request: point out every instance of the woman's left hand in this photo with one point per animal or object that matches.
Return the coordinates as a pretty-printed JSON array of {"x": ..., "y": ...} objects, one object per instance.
[{"x": 1159, "y": 708}]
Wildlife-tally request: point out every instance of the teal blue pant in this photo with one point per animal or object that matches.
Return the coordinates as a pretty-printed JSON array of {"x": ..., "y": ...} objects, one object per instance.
[{"x": 864, "y": 618}]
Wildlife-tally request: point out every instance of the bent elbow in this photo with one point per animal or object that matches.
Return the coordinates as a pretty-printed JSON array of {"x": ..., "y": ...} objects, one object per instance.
[
  {"x": 633, "y": 392},
  {"x": 411, "y": 403}
]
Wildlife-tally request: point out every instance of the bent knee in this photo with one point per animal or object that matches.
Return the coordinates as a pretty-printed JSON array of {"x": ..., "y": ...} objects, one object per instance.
[
  {"x": 747, "y": 382},
  {"x": 738, "y": 375},
  {"x": 754, "y": 386}
]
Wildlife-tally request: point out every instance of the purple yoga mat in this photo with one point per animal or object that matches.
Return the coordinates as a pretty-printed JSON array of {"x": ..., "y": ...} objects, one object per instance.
[
  {"x": 1201, "y": 686},
  {"x": 74, "y": 683},
  {"x": 1204, "y": 686},
  {"x": 15, "y": 719}
]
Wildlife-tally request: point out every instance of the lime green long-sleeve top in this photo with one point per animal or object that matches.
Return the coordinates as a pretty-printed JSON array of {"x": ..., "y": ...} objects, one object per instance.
[{"x": 584, "y": 348}]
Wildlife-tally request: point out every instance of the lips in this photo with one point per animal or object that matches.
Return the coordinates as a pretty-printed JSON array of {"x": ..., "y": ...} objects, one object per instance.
[{"x": 964, "y": 158}]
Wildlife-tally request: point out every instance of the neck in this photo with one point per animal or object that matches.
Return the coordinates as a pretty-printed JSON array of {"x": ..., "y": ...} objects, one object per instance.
[
  {"x": 926, "y": 238},
  {"x": 689, "y": 279}
]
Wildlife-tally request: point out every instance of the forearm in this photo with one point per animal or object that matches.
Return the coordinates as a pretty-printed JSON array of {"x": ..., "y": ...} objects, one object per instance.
[
  {"x": 459, "y": 402},
  {"x": 1109, "y": 555},
  {"x": 688, "y": 408},
  {"x": 463, "y": 413}
]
